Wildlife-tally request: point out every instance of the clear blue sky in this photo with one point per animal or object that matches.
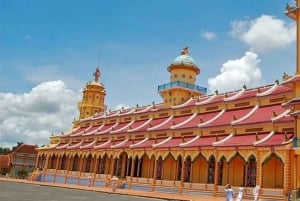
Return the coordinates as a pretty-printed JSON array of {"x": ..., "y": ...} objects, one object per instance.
[{"x": 133, "y": 42}]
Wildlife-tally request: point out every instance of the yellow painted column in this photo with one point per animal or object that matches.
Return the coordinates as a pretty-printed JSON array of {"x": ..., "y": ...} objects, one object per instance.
[{"x": 298, "y": 37}]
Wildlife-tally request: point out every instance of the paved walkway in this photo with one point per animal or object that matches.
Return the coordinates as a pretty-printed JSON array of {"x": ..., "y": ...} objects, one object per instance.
[{"x": 166, "y": 196}]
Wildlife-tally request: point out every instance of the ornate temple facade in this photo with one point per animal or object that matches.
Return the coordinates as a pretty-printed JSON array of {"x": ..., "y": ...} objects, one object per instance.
[{"x": 191, "y": 143}]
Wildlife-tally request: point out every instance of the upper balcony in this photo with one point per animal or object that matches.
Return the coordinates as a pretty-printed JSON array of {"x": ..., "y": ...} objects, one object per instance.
[{"x": 181, "y": 84}]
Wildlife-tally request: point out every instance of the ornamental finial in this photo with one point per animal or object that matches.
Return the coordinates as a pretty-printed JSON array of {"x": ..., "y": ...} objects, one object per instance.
[{"x": 185, "y": 51}]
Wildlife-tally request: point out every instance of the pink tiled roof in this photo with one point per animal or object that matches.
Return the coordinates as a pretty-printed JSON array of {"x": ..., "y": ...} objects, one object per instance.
[
  {"x": 102, "y": 144},
  {"x": 277, "y": 139},
  {"x": 203, "y": 141},
  {"x": 141, "y": 125},
  {"x": 263, "y": 114},
  {"x": 92, "y": 130},
  {"x": 242, "y": 140},
  {"x": 174, "y": 142},
  {"x": 79, "y": 131},
  {"x": 122, "y": 127},
  {"x": 88, "y": 145},
  {"x": 228, "y": 116},
  {"x": 157, "y": 122},
  {"x": 106, "y": 128},
  {"x": 148, "y": 143},
  {"x": 172, "y": 122}
]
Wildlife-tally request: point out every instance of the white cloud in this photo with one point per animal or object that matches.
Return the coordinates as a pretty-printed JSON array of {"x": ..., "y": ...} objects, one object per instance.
[
  {"x": 32, "y": 117},
  {"x": 208, "y": 35},
  {"x": 265, "y": 33},
  {"x": 235, "y": 73}
]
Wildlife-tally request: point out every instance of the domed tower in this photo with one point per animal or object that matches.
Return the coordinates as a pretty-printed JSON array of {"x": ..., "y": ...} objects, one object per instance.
[
  {"x": 93, "y": 98},
  {"x": 184, "y": 71}
]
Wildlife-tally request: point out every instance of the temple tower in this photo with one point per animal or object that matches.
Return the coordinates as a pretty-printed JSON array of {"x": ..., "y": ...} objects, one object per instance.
[
  {"x": 93, "y": 98},
  {"x": 183, "y": 72}
]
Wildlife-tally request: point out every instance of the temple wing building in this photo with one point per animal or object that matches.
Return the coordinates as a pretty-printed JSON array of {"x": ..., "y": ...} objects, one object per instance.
[{"x": 190, "y": 143}]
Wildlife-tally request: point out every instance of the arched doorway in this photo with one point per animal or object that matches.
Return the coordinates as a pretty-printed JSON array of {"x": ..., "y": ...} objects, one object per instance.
[{"x": 272, "y": 172}]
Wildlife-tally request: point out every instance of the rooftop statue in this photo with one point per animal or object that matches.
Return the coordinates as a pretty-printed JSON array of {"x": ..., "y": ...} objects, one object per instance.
[
  {"x": 185, "y": 51},
  {"x": 97, "y": 74}
]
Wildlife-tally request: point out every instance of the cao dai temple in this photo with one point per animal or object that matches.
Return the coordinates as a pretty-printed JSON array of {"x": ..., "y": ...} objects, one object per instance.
[{"x": 190, "y": 143}]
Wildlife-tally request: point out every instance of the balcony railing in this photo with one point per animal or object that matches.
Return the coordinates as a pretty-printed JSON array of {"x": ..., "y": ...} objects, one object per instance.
[{"x": 162, "y": 87}]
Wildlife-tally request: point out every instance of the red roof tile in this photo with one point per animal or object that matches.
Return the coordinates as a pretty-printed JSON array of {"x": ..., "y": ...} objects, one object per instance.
[
  {"x": 4, "y": 161},
  {"x": 277, "y": 139},
  {"x": 25, "y": 148}
]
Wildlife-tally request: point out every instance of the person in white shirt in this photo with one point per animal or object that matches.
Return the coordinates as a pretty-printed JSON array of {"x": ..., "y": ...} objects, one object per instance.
[
  {"x": 229, "y": 193},
  {"x": 256, "y": 192},
  {"x": 240, "y": 193}
]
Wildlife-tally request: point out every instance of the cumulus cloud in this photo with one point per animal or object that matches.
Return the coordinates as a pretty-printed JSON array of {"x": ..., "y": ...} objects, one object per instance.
[
  {"x": 32, "y": 117},
  {"x": 265, "y": 33},
  {"x": 208, "y": 35},
  {"x": 236, "y": 73}
]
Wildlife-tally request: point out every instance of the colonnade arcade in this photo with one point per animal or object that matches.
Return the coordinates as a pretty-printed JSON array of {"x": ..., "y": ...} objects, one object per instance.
[{"x": 237, "y": 167}]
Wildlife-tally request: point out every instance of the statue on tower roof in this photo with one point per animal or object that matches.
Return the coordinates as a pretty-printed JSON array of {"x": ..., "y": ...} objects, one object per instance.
[
  {"x": 97, "y": 74},
  {"x": 185, "y": 51}
]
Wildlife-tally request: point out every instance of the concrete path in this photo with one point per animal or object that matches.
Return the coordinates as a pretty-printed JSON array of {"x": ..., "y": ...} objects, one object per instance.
[{"x": 108, "y": 191}]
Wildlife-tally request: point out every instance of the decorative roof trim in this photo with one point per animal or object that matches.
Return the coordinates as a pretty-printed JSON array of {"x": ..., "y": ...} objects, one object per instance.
[
  {"x": 213, "y": 119},
  {"x": 89, "y": 145},
  {"x": 48, "y": 146},
  {"x": 63, "y": 146},
  {"x": 189, "y": 142},
  {"x": 123, "y": 128},
  {"x": 240, "y": 93},
  {"x": 207, "y": 100},
  {"x": 137, "y": 144},
  {"x": 107, "y": 130},
  {"x": 82, "y": 132},
  {"x": 281, "y": 115},
  {"x": 183, "y": 104},
  {"x": 161, "y": 124},
  {"x": 264, "y": 139},
  {"x": 144, "y": 124},
  {"x": 113, "y": 113},
  {"x": 289, "y": 141},
  {"x": 102, "y": 145},
  {"x": 75, "y": 145},
  {"x": 184, "y": 122},
  {"x": 93, "y": 131},
  {"x": 144, "y": 110},
  {"x": 223, "y": 140},
  {"x": 121, "y": 143},
  {"x": 129, "y": 112},
  {"x": 254, "y": 109},
  {"x": 269, "y": 91},
  {"x": 162, "y": 142}
]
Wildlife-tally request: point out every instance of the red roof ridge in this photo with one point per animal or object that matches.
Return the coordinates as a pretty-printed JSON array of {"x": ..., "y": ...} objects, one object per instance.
[
  {"x": 75, "y": 145},
  {"x": 269, "y": 91},
  {"x": 183, "y": 104},
  {"x": 207, "y": 100},
  {"x": 138, "y": 127},
  {"x": 235, "y": 96},
  {"x": 122, "y": 128},
  {"x": 223, "y": 140},
  {"x": 108, "y": 129},
  {"x": 212, "y": 119},
  {"x": 184, "y": 122},
  {"x": 81, "y": 132},
  {"x": 161, "y": 124},
  {"x": 264, "y": 139},
  {"x": 255, "y": 108},
  {"x": 119, "y": 144},
  {"x": 162, "y": 142},
  {"x": 138, "y": 143},
  {"x": 189, "y": 142},
  {"x": 63, "y": 146},
  {"x": 93, "y": 131},
  {"x": 88, "y": 145},
  {"x": 147, "y": 108},
  {"x": 102, "y": 145},
  {"x": 281, "y": 115}
]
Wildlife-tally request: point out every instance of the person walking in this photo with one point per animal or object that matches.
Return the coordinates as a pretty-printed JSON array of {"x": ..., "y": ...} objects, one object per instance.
[
  {"x": 256, "y": 192},
  {"x": 240, "y": 193},
  {"x": 229, "y": 193}
]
